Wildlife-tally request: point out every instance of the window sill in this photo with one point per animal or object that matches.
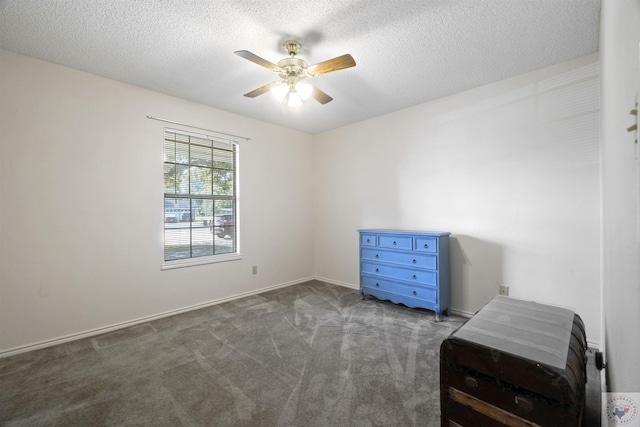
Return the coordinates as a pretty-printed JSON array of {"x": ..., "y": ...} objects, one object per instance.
[{"x": 171, "y": 265}]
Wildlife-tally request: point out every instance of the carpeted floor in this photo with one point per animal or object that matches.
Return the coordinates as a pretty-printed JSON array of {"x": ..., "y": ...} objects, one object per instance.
[{"x": 311, "y": 354}]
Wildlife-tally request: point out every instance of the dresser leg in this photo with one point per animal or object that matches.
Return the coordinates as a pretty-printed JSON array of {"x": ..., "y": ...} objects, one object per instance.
[
  {"x": 437, "y": 316},
  {"x": 362, "y": 295}
]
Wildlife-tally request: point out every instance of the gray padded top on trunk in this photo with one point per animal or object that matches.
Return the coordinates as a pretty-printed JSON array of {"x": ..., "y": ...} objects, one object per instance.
[{"x": 527, "y": 329}]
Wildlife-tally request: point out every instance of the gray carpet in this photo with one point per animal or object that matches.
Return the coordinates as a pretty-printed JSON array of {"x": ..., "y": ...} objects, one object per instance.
[{"x": 311, "y": 354}]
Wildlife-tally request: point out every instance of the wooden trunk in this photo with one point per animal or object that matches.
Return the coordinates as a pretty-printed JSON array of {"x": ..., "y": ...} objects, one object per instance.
[{"x": 515, "y": 363}]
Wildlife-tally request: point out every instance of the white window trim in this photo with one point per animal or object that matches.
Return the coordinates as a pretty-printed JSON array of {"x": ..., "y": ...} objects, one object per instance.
[
  {"x": 190, "y": 262},
  {"x": 213, "y": 259}
]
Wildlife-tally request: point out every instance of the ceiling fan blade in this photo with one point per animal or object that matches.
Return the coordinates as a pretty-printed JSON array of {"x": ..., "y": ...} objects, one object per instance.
[
  {"x": 260, "y": 61},
  {"x": 262, "y": 89},
  {"x": 335, "y": 64},
  {"x": 320, "y": 96}
]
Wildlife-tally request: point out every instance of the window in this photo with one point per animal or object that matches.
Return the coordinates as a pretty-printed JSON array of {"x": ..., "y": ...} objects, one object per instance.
[{"x": 200, "y": 185}]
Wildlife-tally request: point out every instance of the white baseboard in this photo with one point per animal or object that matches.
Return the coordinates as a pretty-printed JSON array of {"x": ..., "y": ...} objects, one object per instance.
[
  {"x": 116, "y": 326},
  {"x": 338, "y": 283},
  {"x": 110, "y": 328}
]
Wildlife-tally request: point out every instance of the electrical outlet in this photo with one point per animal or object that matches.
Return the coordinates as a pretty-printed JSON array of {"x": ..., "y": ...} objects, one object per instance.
[
  {"x": 254, "y": 269},
  {"x": 504, "y": 290}
]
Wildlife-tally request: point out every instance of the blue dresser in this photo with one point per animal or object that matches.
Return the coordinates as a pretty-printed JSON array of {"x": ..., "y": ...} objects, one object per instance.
[{"x": 408, "y": 267}]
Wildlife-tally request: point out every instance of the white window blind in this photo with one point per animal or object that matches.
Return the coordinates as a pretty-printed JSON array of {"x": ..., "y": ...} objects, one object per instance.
[{"x": 200, "y": 181}]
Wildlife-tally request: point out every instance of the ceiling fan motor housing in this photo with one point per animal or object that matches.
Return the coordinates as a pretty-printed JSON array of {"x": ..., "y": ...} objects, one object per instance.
[{"x": 292, "y": 68}]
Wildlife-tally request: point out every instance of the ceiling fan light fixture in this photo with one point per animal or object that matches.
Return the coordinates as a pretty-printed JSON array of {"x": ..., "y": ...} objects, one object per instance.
[
  {"x": 293, "y": 99},
  {"x": 304, "y": 90},
  {"x": 292, "y": 94},
  {"x": 280, "y": 92}
]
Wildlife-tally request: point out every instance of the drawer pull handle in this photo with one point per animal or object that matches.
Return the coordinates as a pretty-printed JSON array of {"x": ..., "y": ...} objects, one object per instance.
[
  {"x": 415, "y": 293},
  {"x": 368, "y": 241},
  {"x": 394, "y": 242},
  {"x": 377, "y": 285},
  {"x": 377, "y": 256},
  {"x": 414, "y": 261},
  {"x": 377, "y": 270},
  {"x": 471, "y": 382},
  {"x": 426, "y": 246},
  {"x": 415, "y": 277}
]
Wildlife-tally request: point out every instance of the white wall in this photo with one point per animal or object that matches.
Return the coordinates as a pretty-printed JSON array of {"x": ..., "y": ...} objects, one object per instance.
[
  {"x": 511, "y": 169},
  {"x": 619, "y": 40},
  {"x": 82, "y": 204}
]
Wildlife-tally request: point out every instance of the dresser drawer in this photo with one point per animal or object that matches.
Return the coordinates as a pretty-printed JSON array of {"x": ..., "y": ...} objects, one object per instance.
[
  {"x": 368, "y": 239},
  {"x": 403, "y": 258},
  {"x": 405, "y": 290},
  {"x": 425, "y": 277},
  {"x": 396, "y": 242},
  {"x": 427, "y": 244}
]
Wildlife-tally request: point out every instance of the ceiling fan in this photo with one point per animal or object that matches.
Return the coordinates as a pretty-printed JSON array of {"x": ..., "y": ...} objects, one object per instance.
[{"x": 291, "y": 89}]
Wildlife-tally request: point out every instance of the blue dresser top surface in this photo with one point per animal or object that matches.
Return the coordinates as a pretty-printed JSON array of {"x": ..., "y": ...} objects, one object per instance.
[{"x": 412, "y": 232}]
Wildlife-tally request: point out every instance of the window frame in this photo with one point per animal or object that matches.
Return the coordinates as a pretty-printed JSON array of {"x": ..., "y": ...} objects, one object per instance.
[{"x": 234, "y": 198}]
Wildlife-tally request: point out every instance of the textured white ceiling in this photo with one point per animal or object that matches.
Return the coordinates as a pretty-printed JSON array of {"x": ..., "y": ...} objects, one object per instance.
[{"x": 407, "y": 51}]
